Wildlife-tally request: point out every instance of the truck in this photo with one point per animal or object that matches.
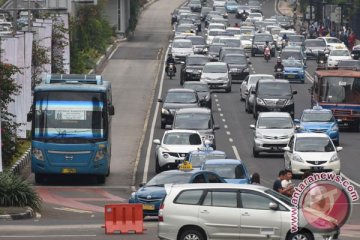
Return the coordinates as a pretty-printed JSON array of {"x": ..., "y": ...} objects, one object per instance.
[{"x": 71, "y": 126}]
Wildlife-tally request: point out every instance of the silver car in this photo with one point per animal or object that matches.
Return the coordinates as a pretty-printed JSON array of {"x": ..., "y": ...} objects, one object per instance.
[
  {"x": 227, "y": 211},
  {"x": 181, "y": 48},
  {"x": 216, "y": 75},
  {"x": 272, "y": 132},
  {"x": 251, "y": 81}
]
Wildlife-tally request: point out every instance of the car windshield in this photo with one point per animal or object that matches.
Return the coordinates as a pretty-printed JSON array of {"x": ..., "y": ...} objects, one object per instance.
[
  {"x": 216, "y": 32},
  {"x": 231, "y": 42},
  {"x": 275, "y": 31},
  {"x": 170, "y": 177},
  {"x": 235, "y": 59},
  {"x": 263, "y": 38},
  {"x": 196, "y": 60},
  {"x": 317, "y": 117},
  {"x": 182, "y": 45},
  {"x": 274, "y": 89},
  {"x": 291, "y": 54},
  {"x": 216, "y": 26},
  {"x": 215, "y": 69},
  {"x": 340, "y": 89},
  {"x": 332, "y": 40},
  {"x": 275, "y": 123},
  {"x": 193, "y": 121},
  {"x": 296, "y": 38},
  {"x": 198, "y": 159},
  {"x": 233, "y": 51},
  {"x": 227, "y": 171},
  {"x": 292, "y": 63},
  {"x": 198, "y": 87},
  {"x": 314, "y": 144},
  {"x": 340, "y": 53},
  {"x": 195, "y": 2},
  {"x": 246, "y": 37},
  {"x": 315, "y": 43},
  {"x": 254, "y": 79},
  {"x": 215, "y": 48},
  {"x": 233, "y": 31},
  {"x": 181, "y": 97},
  {"x": 255, "y": 15},
  {"x": 182, "y": 138},
  {"x": 197, "y": 40},
  {"x": 182, "y": 28}
]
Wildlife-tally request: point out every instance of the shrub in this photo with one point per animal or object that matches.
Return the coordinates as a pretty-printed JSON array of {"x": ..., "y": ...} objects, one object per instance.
[{"x": 17, "y": 192}]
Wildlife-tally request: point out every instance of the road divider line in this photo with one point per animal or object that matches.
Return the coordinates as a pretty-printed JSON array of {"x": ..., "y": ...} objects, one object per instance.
[
  {"x": 353, "y": 182},
  {"x": 225, "y": 126},
  {"x": 221, "y": 115},
  {"x": 224, "y": 120},
  {"x": 237, "y": 155},
  {"x": 215, "y": 95},
  {"x": 310, "y": 78},
  {"x": 151, "y": 136},
  {"x": 228, "y": 133},
  {"x": 218, "y": 104},
  {"x": 231, "y": 140},
  {"x": 219, "y": 109},
  {"x": 216, "y": 100}
]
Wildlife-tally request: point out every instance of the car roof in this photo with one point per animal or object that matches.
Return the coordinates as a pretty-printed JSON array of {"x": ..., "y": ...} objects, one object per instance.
[
  {"x": 216, "y": 63},
  {"x": 194, "y": 110},
  {"x": 216, "y": 186},
  {"x": 222, "y": 161},
  {"x": 197, "y": 56},
  {"x": 195, "y": 82},
  {"x": 182, "y": 40},
  {"x": 273, "y": 80},
  {"x": 235, "y": 55},
  {"x": 317, "y": 110},
  {"x": 181, "y": 90},
  {"x": 261, "y": 75},
  {"x": 274, "y": 114},
  {"x": 312, "y": 135},
  {"x": 180, "y": 131},
  {"x": 206, "y": 152}
]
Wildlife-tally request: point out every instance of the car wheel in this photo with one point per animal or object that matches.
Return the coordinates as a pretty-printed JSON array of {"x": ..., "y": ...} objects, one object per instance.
[
  {"x": 228, "y": 89},
  {"x": 300, "y": 236},
  {"x": 157, "y": 166},
  {"x": 101, "y": 179},
  {"x": 39, "y": 178},
  {"x": 163, "y": 125},
  {"x": 192, "y": 234},
  {"x": 255, "y": 153},
  {"x": 108, "y": 172}
]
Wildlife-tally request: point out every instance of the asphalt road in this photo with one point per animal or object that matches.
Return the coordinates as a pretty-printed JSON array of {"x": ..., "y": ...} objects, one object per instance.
[{"x": 73, "y": 208}]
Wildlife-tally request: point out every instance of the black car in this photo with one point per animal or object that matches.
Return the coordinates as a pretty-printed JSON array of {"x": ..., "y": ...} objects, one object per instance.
[
  {"x": 175, "y": 99},
  {"x": 355, "y": 53},
  {"x": 259, "y": 41},
  {"x": 214, "y": 51},
  {"x": 192, "y": 68},
  {"x": 202, "y": 90},
  {"x": 238, "y": 65},
  {"x": 195, "y": 5},
  {"x": 272, "y": 95},
  {"x": 199, "y": 44},
  {"x": 199, "y": 119}
]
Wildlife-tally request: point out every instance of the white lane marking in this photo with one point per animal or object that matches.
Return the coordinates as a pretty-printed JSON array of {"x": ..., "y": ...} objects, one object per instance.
[
  {"x": 147, "y": 159},
  {"x": 310, "y": 78},
  {"x": 218, "y": 104},
  {"x": 219, "y": 109},
  {"x": 353, "y": 182},
  {"x": 231, "y": 140},
  {"x": 254, "y": 71},
  {"x": 86, "y": 187},
  {"x": 237, "y": 155},
  {"x": 47, "y": 236},
  {"x": 216, "y": 100},
  {"x": 215, "y": 95},
  {"x": 221, "y": 115},
  {"x": 225, "y": 126},
  {"x": 112, "y": 53},
  {"x": 72, "y": 210},
  {"x": 224, "y": 120},
  {"x": 228, "y": 133}
]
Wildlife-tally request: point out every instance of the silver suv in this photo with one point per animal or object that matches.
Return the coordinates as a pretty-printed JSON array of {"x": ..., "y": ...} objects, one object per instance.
[{"x": 226, "y": 211}]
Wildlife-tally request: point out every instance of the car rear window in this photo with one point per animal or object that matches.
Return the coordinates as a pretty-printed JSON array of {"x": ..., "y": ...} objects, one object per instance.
[{"x": 190, "y": 197}]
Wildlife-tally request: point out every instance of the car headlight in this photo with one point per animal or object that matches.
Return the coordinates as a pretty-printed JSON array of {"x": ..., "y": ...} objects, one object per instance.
[
  {"x": 297, "y": 158},
  {"x": 101, "y": 153},
  {"x": 165, "y": 111},
  {"x": 258, "y": 135},
  {"x": 260, "y": 101},
  {"x": 165, "y": 155},
  {"x": 334, "y": 158},
  {"x": 233, "y": 69},
  {"x": 132, "y": 196},
  {"x": 37, "y": 153},
  {"x": 335, "y": 128},
  {"x": 289, "y": 102},
  {"x": 246, "y": 70}
]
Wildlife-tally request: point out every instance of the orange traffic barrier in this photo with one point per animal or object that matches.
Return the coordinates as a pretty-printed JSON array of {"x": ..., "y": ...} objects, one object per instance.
[{"x": 124, "y": 218}]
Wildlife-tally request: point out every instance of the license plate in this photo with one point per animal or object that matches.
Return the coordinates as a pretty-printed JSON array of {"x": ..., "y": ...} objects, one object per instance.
[
  {"x": 68, "y": 170},
  {"x": 317, "y": 168},
  {"x": 148, "y": 207},
  {"x": 178, "y": 160},
  {"x": 291, "y": 76}
]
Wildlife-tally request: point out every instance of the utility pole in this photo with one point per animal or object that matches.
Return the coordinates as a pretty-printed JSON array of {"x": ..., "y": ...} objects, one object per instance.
[{"x": 15, "y": 13}]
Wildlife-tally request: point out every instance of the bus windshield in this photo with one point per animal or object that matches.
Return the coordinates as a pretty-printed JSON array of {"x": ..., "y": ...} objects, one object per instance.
[
  {"x": 340, "y": 90},
  {"x": 69, "y": 115}
]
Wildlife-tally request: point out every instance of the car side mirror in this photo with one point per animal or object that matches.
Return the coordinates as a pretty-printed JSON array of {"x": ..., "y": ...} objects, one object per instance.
[
  {"x": 156, "y": 141},
  {"x": 297, "y": 127},
  {"x": 111, "y": 110},
  {"x": 287, "y": 149},
  {"x": 29, "y": 117},
  {"x": 168, "y": 127},
  {"x": 297, "y": 121},
  {"x": 339, "y": 149},
  {"x": 216, "y": 127},
  {"x": 273, "y": 206},
  {"x": 141, "y": 185},
  {"x": 252, "y": 126},
  {"x": 339, "y": 120},
  {"x": 160, "y": 100},
  {"x": 294, "y": 92}
]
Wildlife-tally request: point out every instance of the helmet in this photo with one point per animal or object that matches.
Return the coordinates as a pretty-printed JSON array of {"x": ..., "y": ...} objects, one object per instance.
[
  {"x": 267, "y": 42},
  {"x": 278, "y": 59}
]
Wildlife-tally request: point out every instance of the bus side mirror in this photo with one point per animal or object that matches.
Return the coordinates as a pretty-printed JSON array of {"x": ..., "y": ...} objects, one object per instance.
[
  {"x": 29, "y": 116},
  {"x": 111, "y": 110}
]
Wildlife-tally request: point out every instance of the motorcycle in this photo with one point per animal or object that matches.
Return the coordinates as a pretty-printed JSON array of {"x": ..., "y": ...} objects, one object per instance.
[
  {"x": 171, "y": 70},
  {"x": 278, "y": 73},
  {"x": 267, "y": 54}
]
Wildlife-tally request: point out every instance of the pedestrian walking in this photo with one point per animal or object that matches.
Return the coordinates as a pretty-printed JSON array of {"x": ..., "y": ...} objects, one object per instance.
[{"x": 255, "y": 179}]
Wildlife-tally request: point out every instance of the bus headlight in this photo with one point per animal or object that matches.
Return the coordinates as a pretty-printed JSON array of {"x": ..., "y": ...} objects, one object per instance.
[
  {"x": 100, "y": 154},
  {"x": 37, "y": 153}
]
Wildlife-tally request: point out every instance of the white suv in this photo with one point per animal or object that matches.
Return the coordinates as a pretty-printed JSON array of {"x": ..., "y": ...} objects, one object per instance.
[{"x": 226, "y": 211}]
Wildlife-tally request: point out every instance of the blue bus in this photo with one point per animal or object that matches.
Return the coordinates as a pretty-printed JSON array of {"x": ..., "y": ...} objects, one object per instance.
[{"x": 71, "y": 126}]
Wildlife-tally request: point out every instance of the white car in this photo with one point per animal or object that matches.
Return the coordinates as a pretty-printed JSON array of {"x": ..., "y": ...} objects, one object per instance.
[
  {"x": 216, "y": 75},
  {"x": 180, "y": 48},
  {"x": 333, "y": 43},
  {"x": 228, "y": 211},
  {"x": 246, "y": 41},
  {"x": 272, "y": 132},
  {"x": 255, "y": 17},
  {"x": 215, "y": 26},
  {"x": 250, "y": 81},
  {"x": 235, "y": 31},
  {"x": 311, "y": 151},
  {"x": 174, "y": 147},
  {"x": 336, "y": 55},
  {"x": 213, "y": 33}
]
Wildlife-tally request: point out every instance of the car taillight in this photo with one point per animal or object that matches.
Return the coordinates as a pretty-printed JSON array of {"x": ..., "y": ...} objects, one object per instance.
[{"x": 160, "y": 216}]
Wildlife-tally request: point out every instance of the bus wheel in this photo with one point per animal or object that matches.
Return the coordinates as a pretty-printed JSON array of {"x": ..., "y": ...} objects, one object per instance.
[
  {"x": 39, "y": 178},
  {"x": 108, "y": 172},
  {"x": 101, "y": 179}
]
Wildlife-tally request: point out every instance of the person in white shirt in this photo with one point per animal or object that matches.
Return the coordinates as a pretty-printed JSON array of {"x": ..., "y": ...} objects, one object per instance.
[{"x": 287, "y": 184}]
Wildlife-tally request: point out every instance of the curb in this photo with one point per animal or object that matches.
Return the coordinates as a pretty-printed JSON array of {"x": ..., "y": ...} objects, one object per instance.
[{"x": 29, "y": 213}]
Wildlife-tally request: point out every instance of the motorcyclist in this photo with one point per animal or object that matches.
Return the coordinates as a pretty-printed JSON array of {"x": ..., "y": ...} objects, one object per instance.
[
  {"x": 170, "y": 59},
  {"x": 285, "y": 37},
  {"x": 279, "y": 65}
]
